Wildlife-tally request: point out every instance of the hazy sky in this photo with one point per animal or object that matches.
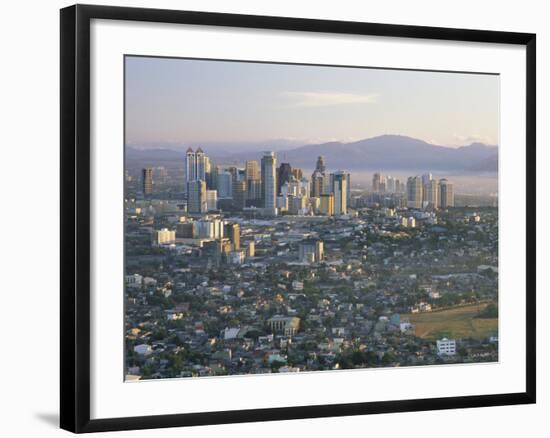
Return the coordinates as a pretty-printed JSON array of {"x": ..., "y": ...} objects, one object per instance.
[{"x": 180, "y": 101}]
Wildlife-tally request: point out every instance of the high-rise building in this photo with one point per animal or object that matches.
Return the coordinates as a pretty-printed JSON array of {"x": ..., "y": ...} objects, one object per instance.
[
  {"x": 253, "y": 192},
  {"x": 431, "y": 194},
  {"x": 311, "y": 251},
  {"x": 147, "y": 181},
  {"x": 186, "y": 230},
  {"x": 340, "y": 190},
  {"x": 252, "y": 170},
  {"x": 426, "y": 178},
  {"x": 251, "y": 249},
  {"x": 200, "y": 160},
  {"x": 297, "y": 173},
  {"x": 376, "y": 180},
  {"x": 446, "y": 194},
  {"x": 320, "y": 165},
  {"x": 269, "y": 182},
  {"x": 327, "y": 204},
  {"x": 190, "y": 165},
  {"x": 233, "y": 232},
  {"x": 211, "y": 200},
  {"x": 196, "y": 197},
  {"x": 317, "y": 180},
  {"x": 239, "y": 195},
  {"x": 197, "y": 165},
  {"x": 390, "y": 184},
  {"x": 414, "y": 192},
  {"x": 297, "y": 205},
  {"x": 283, "y": 175},
  {"x": 225, "y": 185},
  {"x": 164, "y": 236}
]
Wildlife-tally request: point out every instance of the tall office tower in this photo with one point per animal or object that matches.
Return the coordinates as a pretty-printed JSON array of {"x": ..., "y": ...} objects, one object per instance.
[
  {"x": 253, "y": 192},
  {"x": 446, "y": 194},
  {"x": 200, "y": 160},
  {"x": 196, "y": 197},
  {"x": 269, "y": 182},
  {"x": 197, "y": 165},
  {"x": 212, "y": 178},
  {"x": 252, "y": 170},
  {"x": 376, "y": 180},
  {"x": 320, "y": 165},
  {"x": 304, "y": 188},
  {"x": 340, "y": 190},
  {"x": 297, "y": 173},
  {"x": 211, "y": 200},
  {"x": 233, "y": 232},
  {"x": 431, "y": 194},
  {"x": 190, "y": 166},
  {"x": 147, "y": 181},
  {"x": 225, "y": 185},
  {"x": 397, "y": 186},
  {"x": 414, "y": 192},
  {"x": 239, "y": 195},
  {"x": 283, "y": 175},
  {"x": 317, "y": 184},
  {"x": 427, "y": 177},
  {"x": 390, "y": 184},
  {"x": 327, "y": 204}
]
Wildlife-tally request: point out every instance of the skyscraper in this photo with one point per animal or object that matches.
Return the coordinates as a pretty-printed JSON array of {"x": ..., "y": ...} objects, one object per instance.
[
  {"x": 190, "y": 166},
  {"x": 225, "y": 185},
  {"x": 340, "y": 189},
  {"x": 376, "y": 180},
  {"x": 201, "y": 164},
  {"x": 311, "y": 251},
  {"x": 446, "y": 194},
  {"x": 414, "y": 192},
  {"x": 297, "y": 173},
  {"x": 197, "y": 165},
  {"x": 327, "y": 204},
  {"x": 320, "y": 165},
  {"x": 283, "y": 175},
  {"x": 212, "y": 200},
  {"x": 252, "y": 172},
  {"x": 147, "y": 181},
  {"x": 269, "y": 182},
  {"x": 431, "y": 194},
  {"x": 196, "y": 197},
  {"x": 233, "y": 232},
  {"x": 316, "y": 184},
  {"x": 239, "y": 195}
]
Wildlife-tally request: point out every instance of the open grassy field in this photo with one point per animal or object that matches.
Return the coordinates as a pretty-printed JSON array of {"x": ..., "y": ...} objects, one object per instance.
[{"x": 456, "y": 323}]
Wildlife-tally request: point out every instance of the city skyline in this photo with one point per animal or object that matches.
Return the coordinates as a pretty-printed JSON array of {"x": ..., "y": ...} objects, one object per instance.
[
  {"x": 294, "y": 261},
  {"x": 181, "y": 99}
]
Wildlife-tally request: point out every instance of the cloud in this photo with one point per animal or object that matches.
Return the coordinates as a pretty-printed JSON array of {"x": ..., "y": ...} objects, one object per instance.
[{"x": 321, "y": 98}]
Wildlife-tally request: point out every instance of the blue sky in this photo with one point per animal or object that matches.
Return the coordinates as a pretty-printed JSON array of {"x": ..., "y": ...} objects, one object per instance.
[{"x": 172, "y": 100}]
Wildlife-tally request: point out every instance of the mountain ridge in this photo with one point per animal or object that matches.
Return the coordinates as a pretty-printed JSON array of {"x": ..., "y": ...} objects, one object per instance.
[{"x": 396, "y": 152}]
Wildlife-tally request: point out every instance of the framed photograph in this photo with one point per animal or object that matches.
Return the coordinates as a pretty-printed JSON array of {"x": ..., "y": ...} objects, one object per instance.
[{"x": 269, "y": 218}]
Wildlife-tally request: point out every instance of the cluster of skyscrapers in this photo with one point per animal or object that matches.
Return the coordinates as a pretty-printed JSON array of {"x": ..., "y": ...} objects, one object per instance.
[
  {"x": 421, "y": 191},
  {"x": 266, "y": 186}
]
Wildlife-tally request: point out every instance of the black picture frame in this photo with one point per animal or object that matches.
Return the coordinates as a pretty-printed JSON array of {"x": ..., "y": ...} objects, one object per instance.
[{"x": 75, "y": 217}]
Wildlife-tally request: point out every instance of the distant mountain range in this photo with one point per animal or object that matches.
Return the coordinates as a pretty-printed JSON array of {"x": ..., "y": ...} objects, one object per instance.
[{"x": 393, "y": 152}]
